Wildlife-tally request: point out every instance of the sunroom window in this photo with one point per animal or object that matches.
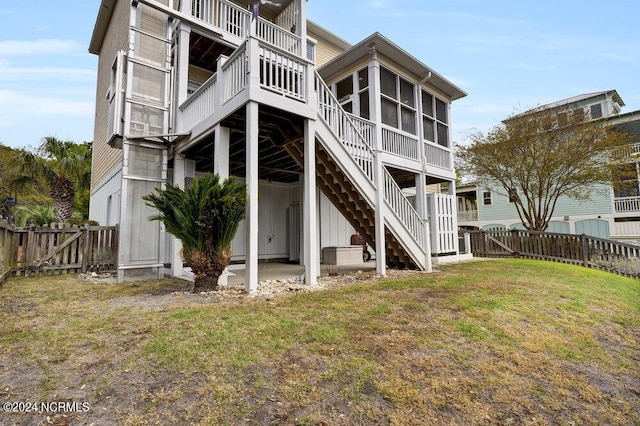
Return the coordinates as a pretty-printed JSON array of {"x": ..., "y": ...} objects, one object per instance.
[
  {"x": 435, "y": 119},
  {"x": 363, "y": 93},
  {"x": 398, "y": 102},
  {"x": 352, "y": 93}
]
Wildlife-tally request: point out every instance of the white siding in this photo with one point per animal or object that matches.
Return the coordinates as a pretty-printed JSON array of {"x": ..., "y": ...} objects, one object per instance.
[
  {"x": 104, "y": 205},
  {"x": 334, "y": 228},
  {"x": 273, "y": 205},
  {"x": 273, "y": 239}
]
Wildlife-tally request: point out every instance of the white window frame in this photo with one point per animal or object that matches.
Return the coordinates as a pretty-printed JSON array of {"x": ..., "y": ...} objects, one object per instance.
[
  {"x": 437, "y": 123},
  {"x": 115, "y": 96},
  {"x": 485, "y": 198},
  {"x": 398, "y": 102}
]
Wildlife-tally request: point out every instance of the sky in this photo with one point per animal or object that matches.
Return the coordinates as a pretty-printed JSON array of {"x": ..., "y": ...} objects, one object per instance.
[{"x": 508, "y": 55}]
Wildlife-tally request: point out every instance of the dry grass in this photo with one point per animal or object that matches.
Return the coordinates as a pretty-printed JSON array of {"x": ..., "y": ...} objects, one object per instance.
[{"x": 501, "y": 342}]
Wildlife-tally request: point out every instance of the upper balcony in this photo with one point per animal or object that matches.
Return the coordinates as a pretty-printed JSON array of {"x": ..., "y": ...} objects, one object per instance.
[
  {"x": 278, "y": 22},
  {"x": 257, "y": 70}
]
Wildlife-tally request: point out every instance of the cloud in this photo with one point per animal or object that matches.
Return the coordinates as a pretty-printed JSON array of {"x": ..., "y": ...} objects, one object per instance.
[
  {"x": 39, "y": 47},
  {"x": 8, "y": 73},
  {"x": 26, "y": 107}
]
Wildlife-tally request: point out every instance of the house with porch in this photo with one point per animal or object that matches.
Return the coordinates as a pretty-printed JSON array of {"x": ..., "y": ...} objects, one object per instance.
[
  {"x": 610, "y": 212},
  {"x": 331, "y": 139}
]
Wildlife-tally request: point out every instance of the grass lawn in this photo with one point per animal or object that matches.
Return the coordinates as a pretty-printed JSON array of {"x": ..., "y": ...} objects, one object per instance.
[{"x": 497, "y": 342}]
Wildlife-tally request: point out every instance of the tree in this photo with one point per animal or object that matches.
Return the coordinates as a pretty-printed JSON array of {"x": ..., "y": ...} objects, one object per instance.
[
  {"x": 542, "y": 155},
  {"x": 205, "y": 217},
  {"x": 65, "y": 167},
  {"x": 23, "y": 189},
  {"x": 43, "y": 214}
]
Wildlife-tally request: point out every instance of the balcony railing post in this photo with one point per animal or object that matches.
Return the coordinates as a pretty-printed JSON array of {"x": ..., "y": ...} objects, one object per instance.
[
  {"x": 253, "y": 66},
  {"x": 220, "y": 84}
]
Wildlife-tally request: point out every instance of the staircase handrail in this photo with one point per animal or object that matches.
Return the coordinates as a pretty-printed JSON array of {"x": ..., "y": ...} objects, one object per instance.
[
  {"x": 342, "y": 125},
  {"x": 404, "y": 210}
]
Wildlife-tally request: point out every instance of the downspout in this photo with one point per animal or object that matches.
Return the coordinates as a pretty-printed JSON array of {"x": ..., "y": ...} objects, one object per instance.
[
  {"x": 424, "y": 80},
  {"x": 424, "y": 208}
]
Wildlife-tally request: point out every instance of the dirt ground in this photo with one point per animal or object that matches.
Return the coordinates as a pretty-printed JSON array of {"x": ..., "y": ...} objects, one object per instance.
[{"x": 108, "y": 382}]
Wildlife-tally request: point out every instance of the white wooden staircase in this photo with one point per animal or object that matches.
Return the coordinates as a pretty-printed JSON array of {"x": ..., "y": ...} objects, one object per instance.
[{"x": 346, "y": 174}]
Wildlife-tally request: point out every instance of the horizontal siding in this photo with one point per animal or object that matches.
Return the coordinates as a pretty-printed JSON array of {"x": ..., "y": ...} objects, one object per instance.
[
  {"x": 501, "y": 209},
  {"x": 325, "y": 50},
  {"x": 116, "y": 38},
  {"x": 198, "y": 74}
]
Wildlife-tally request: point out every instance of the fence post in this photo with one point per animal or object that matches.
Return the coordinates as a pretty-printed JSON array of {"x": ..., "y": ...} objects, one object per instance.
[
  {"x": 85, "y": 249},
  {"x": 515, "y": 242},
  {"x": 467, "y": 242},
  {"x": 585, "y": 250}
]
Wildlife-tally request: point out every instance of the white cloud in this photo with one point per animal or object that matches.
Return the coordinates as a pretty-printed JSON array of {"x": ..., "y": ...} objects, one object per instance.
[
  {"x": 46, "y": 73},
  {"x": 25, "y": 107},
  {"x": 39, "y": 47}
]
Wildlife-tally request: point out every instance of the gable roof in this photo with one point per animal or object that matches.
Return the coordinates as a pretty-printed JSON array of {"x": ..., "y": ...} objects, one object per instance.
[
  {"x": 572, "y": 100},
  {"x": 398, "y": 55}
]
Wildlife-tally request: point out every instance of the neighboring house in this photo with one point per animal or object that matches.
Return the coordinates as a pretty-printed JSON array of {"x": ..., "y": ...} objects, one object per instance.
[
  {"x": 609, "y": 213},
  {"x": 327, "y": 136}
]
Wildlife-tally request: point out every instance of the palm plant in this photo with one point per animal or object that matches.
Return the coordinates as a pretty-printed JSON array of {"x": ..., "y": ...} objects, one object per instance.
[
  {"x": 62, "y": 166},
  {"x": 205, "y": 217},
  {"x": 39, "y": 215}
]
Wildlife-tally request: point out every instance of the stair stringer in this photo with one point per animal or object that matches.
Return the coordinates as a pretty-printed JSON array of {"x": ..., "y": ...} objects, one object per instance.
[{"x": 401, "y": 248}]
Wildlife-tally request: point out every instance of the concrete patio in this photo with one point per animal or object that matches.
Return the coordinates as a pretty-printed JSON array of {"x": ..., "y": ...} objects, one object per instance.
[{"x": 269, "y": 271}]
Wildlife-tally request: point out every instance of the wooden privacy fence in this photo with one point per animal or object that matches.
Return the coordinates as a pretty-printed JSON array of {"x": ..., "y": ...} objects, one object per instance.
[
  {"x": 57, "y": 249},
  {"x": 591, "y": 252}
]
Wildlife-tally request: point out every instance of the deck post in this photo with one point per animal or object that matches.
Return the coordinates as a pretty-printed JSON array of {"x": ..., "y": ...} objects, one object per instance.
[
  {"x": 452, "y": 193},
  {"x": 378, "y": 167},
  {"x": 182, "y": 68},
  {"x": 179, "y": 175},
  {"x": 251, "y": 245},
  {"x": 312, "y": 251},
  {"x": 423, "y": 211},
  {"x": 221, "y": 168}
]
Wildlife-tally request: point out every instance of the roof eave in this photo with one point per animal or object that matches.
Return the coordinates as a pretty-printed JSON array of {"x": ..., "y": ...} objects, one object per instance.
[
  {"x": 102, "y": 23},
  {"x": 391, "y": 50}
]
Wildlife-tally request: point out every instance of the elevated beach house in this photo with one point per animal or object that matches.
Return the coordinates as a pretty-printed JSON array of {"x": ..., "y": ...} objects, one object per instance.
[{"x": 329, "y": 137}]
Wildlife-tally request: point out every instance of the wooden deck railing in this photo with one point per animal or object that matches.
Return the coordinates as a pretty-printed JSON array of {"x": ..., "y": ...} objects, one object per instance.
[
  {"x": 57, "y": 249},
  {"x": 626, "y": 204},
  {"x": 233, "y": 19},
  {"x": 282, "y": 72},
  {"x": 591, "y": 252},
  {"x": 404, "y": 210},
  {"x": 435, "y": 155},
  {"x": 400, "y": 144},
  {"x": 344, "y": 128}
]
